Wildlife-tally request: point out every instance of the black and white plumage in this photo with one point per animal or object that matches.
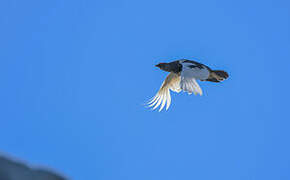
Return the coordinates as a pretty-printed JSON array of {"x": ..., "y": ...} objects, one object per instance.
[{"x": 182, "y": 77}]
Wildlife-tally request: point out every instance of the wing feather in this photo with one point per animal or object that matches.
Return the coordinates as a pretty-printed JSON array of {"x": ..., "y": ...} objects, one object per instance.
[
  {"x": 188, "y": 81},
  {"x": 172, "y": 82}
]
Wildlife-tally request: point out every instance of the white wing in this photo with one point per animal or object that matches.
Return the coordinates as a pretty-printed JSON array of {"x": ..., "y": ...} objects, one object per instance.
[
  {"x": 172, "y": 82},
  {"x": 198, "y": 71},
  {"x": 188, "y": 78}
]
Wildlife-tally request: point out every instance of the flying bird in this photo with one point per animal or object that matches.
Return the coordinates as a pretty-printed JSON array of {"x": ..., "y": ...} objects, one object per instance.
[{"x": 182, "y": 77}]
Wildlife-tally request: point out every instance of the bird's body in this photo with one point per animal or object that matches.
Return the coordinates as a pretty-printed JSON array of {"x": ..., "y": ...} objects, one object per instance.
[{"x": 183, "y": 75}]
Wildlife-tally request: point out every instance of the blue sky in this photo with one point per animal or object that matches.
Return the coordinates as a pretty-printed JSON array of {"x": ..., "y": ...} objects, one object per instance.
[{"x": 75, "y": 75}]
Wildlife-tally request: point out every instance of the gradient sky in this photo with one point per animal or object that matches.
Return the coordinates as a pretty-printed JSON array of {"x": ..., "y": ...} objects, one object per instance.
[{"x": 75, "y": 75}]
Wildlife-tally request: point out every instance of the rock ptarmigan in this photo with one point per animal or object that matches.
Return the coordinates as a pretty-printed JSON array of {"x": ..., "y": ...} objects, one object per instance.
[{"x": 183, "y": 75}]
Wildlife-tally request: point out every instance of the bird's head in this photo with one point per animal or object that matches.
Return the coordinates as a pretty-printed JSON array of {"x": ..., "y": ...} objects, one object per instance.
[{"x": 163, "y": 66}]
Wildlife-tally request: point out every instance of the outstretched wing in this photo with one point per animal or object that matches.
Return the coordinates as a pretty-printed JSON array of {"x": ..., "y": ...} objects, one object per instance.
[
  {"x": 189, "y": 75},
  {"x": 172, "y": 82},
  {"x": 195, "y": 69}
]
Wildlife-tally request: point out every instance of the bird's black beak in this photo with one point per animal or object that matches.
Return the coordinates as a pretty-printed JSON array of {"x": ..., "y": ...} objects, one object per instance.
[{"x": 157, "y": 65}]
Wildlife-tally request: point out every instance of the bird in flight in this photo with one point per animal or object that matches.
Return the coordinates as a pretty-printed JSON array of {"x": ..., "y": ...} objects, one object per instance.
[{"x": 183, "y": 75}]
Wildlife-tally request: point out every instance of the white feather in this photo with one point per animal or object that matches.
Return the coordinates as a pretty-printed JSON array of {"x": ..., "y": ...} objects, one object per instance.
[
  {"x": 172, "y": 82},
  {"x": 188, "y": 78},
  {"x": 196, "y": 72}
]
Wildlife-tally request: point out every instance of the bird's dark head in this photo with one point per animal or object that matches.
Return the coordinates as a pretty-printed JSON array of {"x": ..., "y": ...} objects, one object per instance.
[
  {"x": 160, "y": 65},
  {"x": 163, "y": 66}
]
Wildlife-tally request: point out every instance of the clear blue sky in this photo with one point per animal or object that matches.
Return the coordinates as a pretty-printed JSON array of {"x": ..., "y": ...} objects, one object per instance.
[{"x": 75, "y": 75}]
